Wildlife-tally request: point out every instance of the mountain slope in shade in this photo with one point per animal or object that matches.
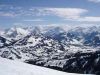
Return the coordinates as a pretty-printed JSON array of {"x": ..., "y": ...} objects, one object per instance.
[{"x": 8, "y": 67}]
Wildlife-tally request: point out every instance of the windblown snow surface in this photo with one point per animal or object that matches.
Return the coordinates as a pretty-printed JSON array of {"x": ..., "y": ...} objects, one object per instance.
[{"x": 9, "y": 67}]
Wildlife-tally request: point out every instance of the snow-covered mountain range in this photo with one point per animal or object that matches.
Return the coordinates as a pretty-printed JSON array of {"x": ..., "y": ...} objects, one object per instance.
[{"x": 69, "y": 49}]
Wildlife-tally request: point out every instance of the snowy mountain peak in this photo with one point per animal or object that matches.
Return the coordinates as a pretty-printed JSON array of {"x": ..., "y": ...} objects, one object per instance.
[{"x": 17, "y": 31}]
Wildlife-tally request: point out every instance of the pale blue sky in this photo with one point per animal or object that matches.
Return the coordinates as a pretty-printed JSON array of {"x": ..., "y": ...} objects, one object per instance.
[{"x": 47, "y": 12}]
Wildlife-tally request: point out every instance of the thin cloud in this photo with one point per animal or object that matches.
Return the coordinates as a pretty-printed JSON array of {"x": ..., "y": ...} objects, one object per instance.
[
  {"x": 86, "y": 19},
  {"x": 10, "y": 11},
  {"x": 76, "y": 14},
  {"x": 30, "y": 20},
  {"x": 89, "y": 19},
  {"x": 72, "y": 13},
  {"x": 95, "y": 1},
  {"x": 7, "y": 14}
]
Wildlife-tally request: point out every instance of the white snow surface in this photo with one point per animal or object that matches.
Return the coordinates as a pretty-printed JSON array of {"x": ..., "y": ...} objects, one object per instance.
[{"x": 10, "y": 67}]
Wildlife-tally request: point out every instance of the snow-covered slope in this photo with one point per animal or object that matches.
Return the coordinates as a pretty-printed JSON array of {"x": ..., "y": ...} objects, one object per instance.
[{"x": 8, "y": 67}]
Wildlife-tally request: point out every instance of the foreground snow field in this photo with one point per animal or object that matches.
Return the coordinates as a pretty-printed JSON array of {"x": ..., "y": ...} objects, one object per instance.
[{"x": 9, "y": 67}]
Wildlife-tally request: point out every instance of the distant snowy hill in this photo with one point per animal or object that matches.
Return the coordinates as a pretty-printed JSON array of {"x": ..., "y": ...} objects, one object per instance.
[
  {"x": 69, "y": 49},
  {"x": 8, "y": 67}
]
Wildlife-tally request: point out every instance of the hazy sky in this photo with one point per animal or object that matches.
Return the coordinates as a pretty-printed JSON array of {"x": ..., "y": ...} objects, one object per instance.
[{"x": 48, "y": 12}]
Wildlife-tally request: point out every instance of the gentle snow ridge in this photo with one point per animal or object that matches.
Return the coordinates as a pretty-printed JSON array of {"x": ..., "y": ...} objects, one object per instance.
[{"x": 8, "y": 67}]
